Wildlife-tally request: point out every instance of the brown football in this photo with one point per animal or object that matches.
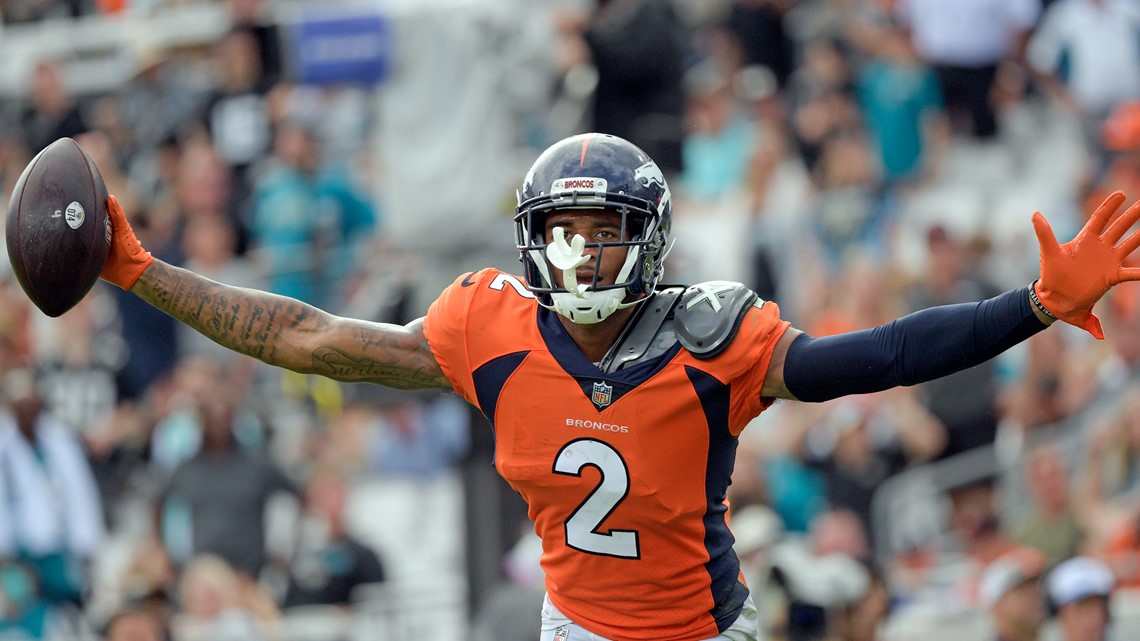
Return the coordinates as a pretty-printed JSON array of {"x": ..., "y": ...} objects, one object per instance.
[{"x": 58, "y": 233}]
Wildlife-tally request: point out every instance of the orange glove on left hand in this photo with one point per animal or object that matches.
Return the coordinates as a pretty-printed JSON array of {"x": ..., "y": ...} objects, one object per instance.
[
  {"x": 126, "y": 259},
  {"x": 1074, "y": 276}
]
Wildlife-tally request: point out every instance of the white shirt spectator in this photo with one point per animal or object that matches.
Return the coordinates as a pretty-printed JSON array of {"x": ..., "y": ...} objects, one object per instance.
[
  {"x": 49, "y": 501},
  {"x": 1100, "y": 42},
  {"x": 966, "y": 33}
]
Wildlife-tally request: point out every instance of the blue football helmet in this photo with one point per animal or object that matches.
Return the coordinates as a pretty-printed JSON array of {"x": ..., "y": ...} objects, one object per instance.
[{"x": 593, "y": 171}]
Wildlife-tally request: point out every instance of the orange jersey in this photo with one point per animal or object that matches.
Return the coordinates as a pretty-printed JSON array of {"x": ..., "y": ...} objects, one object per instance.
[{"x": 624, "y": 473}]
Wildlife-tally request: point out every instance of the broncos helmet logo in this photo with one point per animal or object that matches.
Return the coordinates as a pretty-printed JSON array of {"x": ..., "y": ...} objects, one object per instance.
[{"x": 649, "y": 174}]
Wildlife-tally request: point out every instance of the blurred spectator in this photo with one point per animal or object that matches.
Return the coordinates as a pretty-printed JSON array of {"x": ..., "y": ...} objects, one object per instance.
[
  {"x": 237, "y": 113},
  {"x": 861, "y": 442},
  {"x": 17, "y": 11},
  {"x": 758, "y": 25},
  {"x": 850, "y": 213},
  {"x": 177, "y": 434},
  {"x": 966, "y": 42},
  {"x": 419, "y": 436},
  {"x": 15, "y": 320},
  {"x": 1120, "y": 137},
  {"x": 863, "y": 296},
  {"x": 215, "y": 502},
  {"x": 720, "y": 140},
  {"x": 306, "y": 218},
  {"x": 1010, "y": 589},
  {"x": 256, "y": 18},
  {"x": 24, "y": 613},
  {"x": 106, "y": 146},
  {"x": 821, "y": 100},
  {"x": 839, "y": 531},
  {"x": 1122, "y": 549},
  {"x": 78, "y": 358},
  {"x": 1050, "y": 523},
  {"x": 135, "y": 624},
  {"x": 50, "y": 513},
  {"x": 218, "y": 605},
  {"x": 798, "y": 492},
  {"x": 1076, "y": 53},
  {"x": 110, "y": 142},
  {"x": 639, "y": 48},
  {"x": 508, "y": 612},
  {"x": 148, "y": 583},
  {"x": 1055, "y": 381},
  {"x": 756, "y": 529},
  {"x": 976, "y": 526},
  {"x": 964, "y": 402},
  {"x": 51, "y": 112},
  {"x": 158, "y": 102},
  {"x": 819, "y": 587},
  {"x": 14, "y": 157},
  {"x": 1078, "y": 593},
  {"x": 1110, "y": 474},
  {"x": 328, "y": 564},
  {"x": 864, "y": 619},
  {"x": 902, "y": 103}
]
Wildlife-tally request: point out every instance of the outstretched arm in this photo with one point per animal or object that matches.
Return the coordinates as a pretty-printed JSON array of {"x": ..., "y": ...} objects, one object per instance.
[
  {"x": 916, "y": 348},
  {"x": 275, "y": 329},
  {"x": 943, "y": 340}
]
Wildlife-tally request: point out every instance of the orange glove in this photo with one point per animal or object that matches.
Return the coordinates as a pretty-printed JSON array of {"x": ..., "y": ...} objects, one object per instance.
[
  {"x": 126, "y": 259},
  {"x": 1075, "y": 275}
]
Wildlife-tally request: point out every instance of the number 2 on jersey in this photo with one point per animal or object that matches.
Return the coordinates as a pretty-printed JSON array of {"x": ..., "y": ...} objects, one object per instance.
[{"x": 613, "y": 486}]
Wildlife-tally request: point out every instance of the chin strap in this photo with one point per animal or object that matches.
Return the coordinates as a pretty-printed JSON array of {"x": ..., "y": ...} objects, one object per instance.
[
  {"x": 591, "y": 307},
  {"x": 568, "y": 257}
]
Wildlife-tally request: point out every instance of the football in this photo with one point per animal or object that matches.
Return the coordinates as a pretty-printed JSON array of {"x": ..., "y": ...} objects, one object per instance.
[{"x": 58, "y": 233}]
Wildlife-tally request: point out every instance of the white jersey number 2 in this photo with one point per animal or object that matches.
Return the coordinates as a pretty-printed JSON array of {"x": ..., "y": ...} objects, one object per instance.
[{"x": 613, "y": 486}]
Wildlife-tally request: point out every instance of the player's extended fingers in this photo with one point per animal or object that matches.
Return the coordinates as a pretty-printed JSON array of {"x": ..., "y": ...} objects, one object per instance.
[
  {"x": 1102, "y": 213},
  {"x": 1045, "y": 236},
  {"x": 1129, "y": 245},
  {"x": 1128, "y": 274},
  {"x": 115, "y": 210},
  {"x": 1121, "y": 225}
]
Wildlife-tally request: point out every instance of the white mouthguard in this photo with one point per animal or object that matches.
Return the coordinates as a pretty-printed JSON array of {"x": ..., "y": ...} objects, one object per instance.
[{"x": 568, "y": 257}]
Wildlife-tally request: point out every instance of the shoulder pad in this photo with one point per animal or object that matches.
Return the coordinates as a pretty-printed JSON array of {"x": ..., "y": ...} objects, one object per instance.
[
  {"x": 648, "y": 334},
  {"x": 709, "y": 315}
]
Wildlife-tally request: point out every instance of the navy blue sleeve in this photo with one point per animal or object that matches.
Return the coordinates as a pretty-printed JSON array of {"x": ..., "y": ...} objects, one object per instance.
[{"x": 916, "y": 348}]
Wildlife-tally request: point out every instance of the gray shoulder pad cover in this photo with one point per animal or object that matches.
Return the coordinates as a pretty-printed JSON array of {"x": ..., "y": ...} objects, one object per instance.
[{"x": 709, "y": 315}]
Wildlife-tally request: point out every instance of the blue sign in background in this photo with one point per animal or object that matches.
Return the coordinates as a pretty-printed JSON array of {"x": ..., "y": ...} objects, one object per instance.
[{"x": 341, "y": 49}]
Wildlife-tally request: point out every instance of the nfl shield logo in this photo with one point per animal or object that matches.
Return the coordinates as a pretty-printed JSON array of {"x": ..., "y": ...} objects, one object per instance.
[
  {"x": 561, "y": 633},
  {"x": 602, "y": 394}
]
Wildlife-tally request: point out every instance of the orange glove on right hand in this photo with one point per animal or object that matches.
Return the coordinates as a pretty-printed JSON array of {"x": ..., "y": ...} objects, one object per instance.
[
  {"x": 126, "y": 259},
  {"x": 1074, "y": 276}
]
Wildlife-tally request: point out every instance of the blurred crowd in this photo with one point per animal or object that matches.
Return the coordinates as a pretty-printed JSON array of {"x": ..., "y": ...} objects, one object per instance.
[{"x": 851, "y": 160}]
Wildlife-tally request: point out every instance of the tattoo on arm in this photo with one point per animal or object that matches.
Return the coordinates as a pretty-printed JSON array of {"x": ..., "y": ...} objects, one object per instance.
[{"x": 289, "y": 333}]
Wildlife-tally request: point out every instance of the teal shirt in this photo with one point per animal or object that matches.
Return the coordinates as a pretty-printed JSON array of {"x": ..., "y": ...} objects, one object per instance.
[
  {"x": 716, "y": 164},
  {"x": 895, "y": 98}
]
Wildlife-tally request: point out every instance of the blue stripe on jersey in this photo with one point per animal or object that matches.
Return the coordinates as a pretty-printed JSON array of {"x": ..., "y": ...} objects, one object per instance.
[
  {"x": 723, "y": 565},
  {"x": 489, "y": 379}
]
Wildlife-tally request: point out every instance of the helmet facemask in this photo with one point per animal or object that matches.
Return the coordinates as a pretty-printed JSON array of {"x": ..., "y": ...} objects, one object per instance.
[{"x": 643, "y": 238}]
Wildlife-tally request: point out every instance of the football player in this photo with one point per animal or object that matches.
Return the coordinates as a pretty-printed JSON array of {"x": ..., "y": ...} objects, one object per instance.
[{"x": 617, "y": 401}]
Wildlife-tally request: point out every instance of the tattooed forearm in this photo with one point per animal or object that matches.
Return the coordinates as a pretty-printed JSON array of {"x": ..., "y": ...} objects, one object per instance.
[
  {"x": 243, "y": 320},
  {"x": 336, "y": 364},
  {"x": 288, "y": 333}
]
